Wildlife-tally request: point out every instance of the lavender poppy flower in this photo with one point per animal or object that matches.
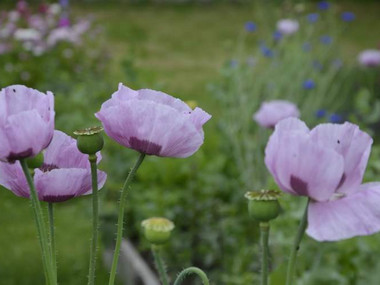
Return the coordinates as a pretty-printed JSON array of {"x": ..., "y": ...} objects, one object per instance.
[
  {"x": 26, "y": 122},
  {"x": 326, "y": 164},
  {"x": 308, "y": 84},
  {"x": 65, "y": 173},
  {"x": 153, "y": 122},
  {"x": 271, "y": 112},
  {"x": 348, "y": 16},
  {"x": 369, "y": 58},
  {"x": 250, "y": 26},
  {"x": 287, "y": 26}
]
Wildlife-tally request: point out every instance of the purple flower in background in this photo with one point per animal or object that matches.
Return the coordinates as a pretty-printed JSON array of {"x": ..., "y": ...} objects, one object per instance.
[
  {"x": 65, "y": 173},
  {"x": 64, "y": 3},
  {"x": 277, "y": 35},
  {"x": 306, "y": 47},
  {"x": 336, "y": 118},
  {"x": 326, "y": 39},
  {"x": 313, "y": 17},
  {"x": 327, "y": 165},
  {"x": 233, "y": 63},
  {"x": 250, "y": 26},
  {"x": 369, "y": 58},
  {"x": 26, "y": 122},
  {"x": 348, "y": 16},
  {"x": 22, "y": 7},
  {"x": 153, "y": 122},
  {"x": 321, "y": 113},
  {"x": 267, "y": 52},
  {"x": 317, "y": 65},
  {"x": 308, "y": 84},
  {"x": 271, "y": 112},
  {"x": 64, "y": 22},
  {"x": 323, "y": 5},
  {"x": 287, "y": 26}
]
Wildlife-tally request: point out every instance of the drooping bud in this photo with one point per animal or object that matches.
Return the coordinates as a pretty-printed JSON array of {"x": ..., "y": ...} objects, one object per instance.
[
  {"x": 90, "y": 140},
  {"x": 157, "y": 230},
  {"x": 263, "y": 205}
]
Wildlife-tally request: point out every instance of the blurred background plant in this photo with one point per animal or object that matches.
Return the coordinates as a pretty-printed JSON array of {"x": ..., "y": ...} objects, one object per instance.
[{"x": 245, "y": 59}]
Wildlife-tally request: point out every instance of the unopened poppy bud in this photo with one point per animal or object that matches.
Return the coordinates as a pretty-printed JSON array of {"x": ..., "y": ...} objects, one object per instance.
[
  {"x": 263, "y": 205},
  {"x": 35, "y": 161},
  {"x": 90, "y": 140},
  {"x": 157, "y": 230}
]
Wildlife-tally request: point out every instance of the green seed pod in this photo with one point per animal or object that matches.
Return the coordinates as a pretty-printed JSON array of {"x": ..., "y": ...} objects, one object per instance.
[
  {"x": 263, "y": 205},
  {"x": 35, "y": 161},
  {"x": 90, "y": 140},
  {"x": 157, "y": 230}
]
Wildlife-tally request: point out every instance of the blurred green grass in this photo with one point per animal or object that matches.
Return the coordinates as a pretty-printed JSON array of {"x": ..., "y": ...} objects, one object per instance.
[{"x": 180, "y": 49}]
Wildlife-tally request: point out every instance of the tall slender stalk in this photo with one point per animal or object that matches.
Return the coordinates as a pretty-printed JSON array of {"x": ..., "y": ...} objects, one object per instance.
[
  {"x": 52, "y": 236},
  {"x": 51, "y": 278},
  {"x": 264, "y": 238},
  {"x": 192, "y": 270},
  {"x": 120, "y": 221},
  {"x": 95, "y": 219},
  {"x": 296, "y": 245},
  {"x": 160, "y": 265}
]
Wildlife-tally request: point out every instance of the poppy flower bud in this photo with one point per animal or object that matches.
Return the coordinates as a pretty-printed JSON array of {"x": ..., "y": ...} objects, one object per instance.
[
  {"x": 263, "y": 205},
  {"x": 90, "y": 140},
  {"x": 157, "y": 230},
  {"x": 35, "y": 161}
]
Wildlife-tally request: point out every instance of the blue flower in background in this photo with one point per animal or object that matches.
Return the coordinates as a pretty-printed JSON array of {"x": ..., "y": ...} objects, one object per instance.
[
  {"x": 313, "y": 17},
  {"x": 323, "y": 5},
  {"x": 64, "y": 3},
  {"x": 336, "y": 118},
  {"x": 267, "y": 52},
  {"x": 306, "y": 47},
  {"x": 233, "y": 63},
  {"x": 250, "y": 26},
  {"x": 308, "y": 84},
  {"x": 326, "y": 40},
  {"x": 317, "y": 65},
  {"x": 320, "y": 113},
  {"x": 277, "y": 35},
  {"x": 348, "y": 16}
]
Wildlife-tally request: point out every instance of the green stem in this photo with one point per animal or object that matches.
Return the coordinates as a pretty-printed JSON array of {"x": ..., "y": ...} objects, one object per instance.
[
  {"x": 52, "y": 236},
  {"x": 95, "y": 220},
  {"x": 264, "y": 237},
  {"x": 160, "y": 265},
  {"x": 120, "y": 221},
  {"x": 195, "y": 270},
  {"x": 50, "y": 276},
  {"x": 296, "y": 246}
]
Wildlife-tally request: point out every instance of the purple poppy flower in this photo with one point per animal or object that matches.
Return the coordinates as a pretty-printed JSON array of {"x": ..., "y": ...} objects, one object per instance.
[
  {"x": 326, "y": 164},
  {"x": 250, "y": 26},
  {"x": 65, "y": 173},
  {"x": 369, "y": 58},
  {"x": 153, "y": 122},
  {"x": 323, "y": 5},
  {"x": 26, "y": 122},
  {"x": 271, "y": 112},
  {"x": 308, "y": 84},
  {"x": 287, "y": 26},
  {"x": 313, "y": 17},
  {"x": 348, "y": 16}
]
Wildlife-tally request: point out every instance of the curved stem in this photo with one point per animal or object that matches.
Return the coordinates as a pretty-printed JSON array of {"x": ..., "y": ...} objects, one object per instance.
[
  {"x": 192, "y": 270},
  {"x": 52, "y": 236},
  {"x": 296, "y": 246},
  {"x": 95, "y": 220},
  {"x": 160, "y": 265},
  {"x": 264, "y": 238},
  {"x": 120, "y": 220},
  {"x": 50, "y": 276}
]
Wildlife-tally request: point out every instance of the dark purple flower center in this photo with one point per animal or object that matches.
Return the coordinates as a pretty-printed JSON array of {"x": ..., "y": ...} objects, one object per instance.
[
  {"x": 12, "y": 157},
  {"x": 299, "y": 186},
  {"x": 145, "y": 146},
  {"x": 58, "y": 198},
  {"x": 48, "y": 167}
]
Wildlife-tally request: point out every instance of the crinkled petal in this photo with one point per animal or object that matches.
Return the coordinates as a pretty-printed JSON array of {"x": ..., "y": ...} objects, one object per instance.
[
  {"x": 151, "y": 128},
  {"x": 302, "y": 167},
  {"x": 163, "y": 98},
  {"x": 350, "y": 142},
  {"x": 357, "y": 214}
]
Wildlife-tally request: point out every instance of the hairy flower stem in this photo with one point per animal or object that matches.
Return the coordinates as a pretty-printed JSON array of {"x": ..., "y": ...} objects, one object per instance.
[
  {"x": 95, "y": 219},
  {"x": 195, "y": 270},
  {"x": 160, "y": 265},
  {"x": 120, "y": 221},
  {"x": 51, "y": 278},
  {"x": 52, "y": 236},
  {"x": 264, "y": 238},
  {"x": 296, "y": 246}
]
